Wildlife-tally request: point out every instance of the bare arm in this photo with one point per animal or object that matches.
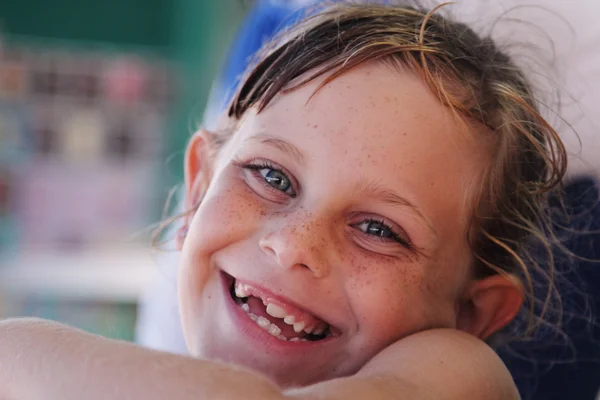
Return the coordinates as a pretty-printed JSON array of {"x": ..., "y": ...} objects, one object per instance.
[
  {"x": 440, "y": 364},
  {"x": 44, "y": 360},
  {"x": 41, "y": 360}
]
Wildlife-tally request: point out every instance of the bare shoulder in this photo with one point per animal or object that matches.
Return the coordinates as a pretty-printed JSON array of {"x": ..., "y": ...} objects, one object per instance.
[{"x": 444, "y": 364}]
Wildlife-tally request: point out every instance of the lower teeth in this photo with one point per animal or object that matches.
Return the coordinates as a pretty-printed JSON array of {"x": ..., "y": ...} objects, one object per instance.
[{"x": 265, "y": 324}]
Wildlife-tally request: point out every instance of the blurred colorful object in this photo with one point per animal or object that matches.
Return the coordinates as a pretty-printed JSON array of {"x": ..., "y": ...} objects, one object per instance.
[
  {"x": 81, "y": 147},
  {"x": 85, "y": 129}
]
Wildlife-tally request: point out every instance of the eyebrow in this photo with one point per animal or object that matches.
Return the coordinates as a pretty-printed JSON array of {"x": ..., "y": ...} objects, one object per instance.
[
  {"x": 375, "y": 190},
  {"x": 281, "y": 145}
]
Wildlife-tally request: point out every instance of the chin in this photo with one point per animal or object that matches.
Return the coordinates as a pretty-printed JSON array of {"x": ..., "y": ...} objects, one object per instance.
[{"x": 286, "y": 373}]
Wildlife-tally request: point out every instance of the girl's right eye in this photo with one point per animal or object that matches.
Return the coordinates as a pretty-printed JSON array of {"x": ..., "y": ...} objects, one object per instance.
[
  {"x": 379, "y": 230},
  {"x": 271, "y": 177}
]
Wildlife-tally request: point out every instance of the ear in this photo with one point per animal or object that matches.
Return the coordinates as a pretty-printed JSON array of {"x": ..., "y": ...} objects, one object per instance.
[
  {"x": 199, "y": 157},
  {"x": 489, "y": 305}
]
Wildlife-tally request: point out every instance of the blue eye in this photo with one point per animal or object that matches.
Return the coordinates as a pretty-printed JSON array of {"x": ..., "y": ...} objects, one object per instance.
[
  {"x": 381, "y": 231},
  {"x": 376, "y": 228},
  {"x": 275, "y": 178},
  {"x": 271, "y": 177}
]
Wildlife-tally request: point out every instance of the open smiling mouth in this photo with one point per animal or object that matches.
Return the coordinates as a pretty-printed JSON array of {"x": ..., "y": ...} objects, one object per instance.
[{"x": 281, "y": 320}]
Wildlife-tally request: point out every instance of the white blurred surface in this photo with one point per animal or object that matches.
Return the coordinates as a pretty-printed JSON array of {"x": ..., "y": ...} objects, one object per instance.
[
  {"x": 557, "y": 44},
  {"x": 107, "y": 274}
]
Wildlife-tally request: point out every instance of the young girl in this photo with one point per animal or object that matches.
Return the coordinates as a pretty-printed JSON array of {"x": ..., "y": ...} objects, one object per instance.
[{"x": 359, "y": 227}]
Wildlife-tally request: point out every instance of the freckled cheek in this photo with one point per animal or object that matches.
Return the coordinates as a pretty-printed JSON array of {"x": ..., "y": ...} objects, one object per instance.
[
  {"x": 228, "y": 214},
  {"x": 387, "y": 299}
]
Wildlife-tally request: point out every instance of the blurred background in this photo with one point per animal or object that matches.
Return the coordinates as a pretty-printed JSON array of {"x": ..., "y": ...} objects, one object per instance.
[{"x": 97, "y": 100}]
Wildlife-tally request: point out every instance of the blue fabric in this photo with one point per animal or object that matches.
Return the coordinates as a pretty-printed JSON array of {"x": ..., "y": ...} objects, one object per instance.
[
  {"x": 264, "y": 21},
  {"x": 568, "y": 367}
]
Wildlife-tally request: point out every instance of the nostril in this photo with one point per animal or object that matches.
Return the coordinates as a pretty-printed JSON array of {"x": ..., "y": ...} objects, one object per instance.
[{"x": 267, "y": 249}]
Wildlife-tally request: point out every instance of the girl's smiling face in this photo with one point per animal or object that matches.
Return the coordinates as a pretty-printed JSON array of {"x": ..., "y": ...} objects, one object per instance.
[{"x": 347, "y": 211}]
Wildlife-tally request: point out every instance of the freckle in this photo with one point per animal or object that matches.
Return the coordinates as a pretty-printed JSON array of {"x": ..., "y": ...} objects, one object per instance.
[{"x": 315, "y": 126}]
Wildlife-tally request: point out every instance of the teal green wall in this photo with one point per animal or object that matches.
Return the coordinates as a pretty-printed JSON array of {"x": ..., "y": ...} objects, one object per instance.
[
  {"x": 202, "y": 31},
  {"x": 194, "y": 33},
  {"x": 133, "y": 22}
]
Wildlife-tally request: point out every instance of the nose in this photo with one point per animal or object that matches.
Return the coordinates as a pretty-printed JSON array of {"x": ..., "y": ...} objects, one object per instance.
[{"x": 299, "y": 242}]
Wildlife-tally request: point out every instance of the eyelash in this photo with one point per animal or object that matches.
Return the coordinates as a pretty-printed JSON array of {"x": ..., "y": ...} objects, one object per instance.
[{"x": 256, "y": 165}]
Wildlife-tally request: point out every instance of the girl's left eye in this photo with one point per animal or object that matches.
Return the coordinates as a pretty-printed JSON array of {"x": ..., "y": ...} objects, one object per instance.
[
  {"x": 381, "y": 231},
  {"x": 276, "y": 178}
]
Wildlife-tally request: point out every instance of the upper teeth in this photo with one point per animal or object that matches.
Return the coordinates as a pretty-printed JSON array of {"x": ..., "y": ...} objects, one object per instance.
[
  {"x": 299, "y": 326},
  {"x": 319, "y": 331},
  {"x": 242, "y": 291},
  {"x": 276, "y": 311}
]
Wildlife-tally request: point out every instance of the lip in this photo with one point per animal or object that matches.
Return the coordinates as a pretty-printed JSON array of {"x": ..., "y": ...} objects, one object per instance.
[{"x": 250, "y": 329}]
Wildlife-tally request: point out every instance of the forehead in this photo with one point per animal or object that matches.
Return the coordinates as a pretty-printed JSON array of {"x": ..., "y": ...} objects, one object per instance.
[{"x": 372, "y": 110}]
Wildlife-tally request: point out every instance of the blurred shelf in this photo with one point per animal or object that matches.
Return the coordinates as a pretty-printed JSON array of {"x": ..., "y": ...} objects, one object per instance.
[{"x": 108, "y": 274}]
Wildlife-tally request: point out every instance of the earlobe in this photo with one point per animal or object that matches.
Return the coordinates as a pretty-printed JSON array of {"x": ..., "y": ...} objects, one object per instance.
[{"x": 489, "y": 305}]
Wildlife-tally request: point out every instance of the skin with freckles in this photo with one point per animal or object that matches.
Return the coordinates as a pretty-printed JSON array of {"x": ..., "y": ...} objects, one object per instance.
[{"x": 354, "y": 204}]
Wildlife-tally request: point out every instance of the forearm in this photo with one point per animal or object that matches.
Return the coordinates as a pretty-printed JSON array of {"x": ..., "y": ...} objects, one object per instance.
[{"x": 42, "y": 360}]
